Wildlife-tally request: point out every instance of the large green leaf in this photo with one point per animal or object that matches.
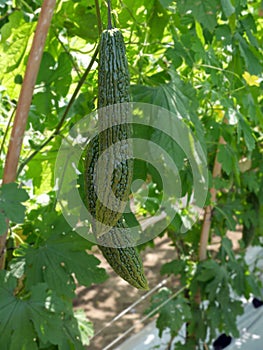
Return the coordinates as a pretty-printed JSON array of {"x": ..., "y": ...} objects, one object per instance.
[
  {"x": 16, "y": 36},
  {"x": 78, "y": 19},
  {"x": 227, "y": 158},
  {"x": 175, "y": 96},
  {"x": 39, "y": 316},
  {"x": 249, "y": 54},
  {"x": 173, "y": 312},
  {"x": 157, "y": 20},
  {"x": 248, "y": 134},
  {"x": 10, "y": 204},
  {"x": 57, "y": 259},
  {"x": 204, "y": 11},
  {"x": 227, "y": 7}
]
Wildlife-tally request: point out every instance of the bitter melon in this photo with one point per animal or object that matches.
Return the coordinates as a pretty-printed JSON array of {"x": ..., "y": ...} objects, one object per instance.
[
  {"x": 126, "y": 261},
  {"x": 113, "y": 92},
  {"x": 113, "y": 80}
]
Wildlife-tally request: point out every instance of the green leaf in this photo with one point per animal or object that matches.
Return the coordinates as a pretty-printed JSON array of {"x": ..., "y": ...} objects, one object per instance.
[
  {"x": 175, "y": 96},
  {"x": 226, "y": 158},
  {"x": 56, "y": 76},
  {"x": 223, "y": 33},
  {"x": 43, "y": 102},
  {"x": 166, "y": 3},
  {"x": 45, "y": 310},
  {"x": 56, "y": 260},
  {"x": 228, "y": 8},
  {"x": 3, "y": 224},
  {"x": 76, "y": 17},
  {"x": 230, "y": 312},
  {"x": 174, "y": 267},
  {"x": 62, "y": 75},
  {"x": 227, "y": 247},
  {"x": 15, "y": 36},
  {"x": 248, "y": 134},
  {"x": 12, "y": 190},
  {"x": 251, "y": 181},
  {"x": 174, "y": 55},
  {"x": 85, "y": 326},
  {"x": 16, "y": 315},
  {"x": 139, "y": 172},
  {"x": 208, "y": 271},
  {"x": 204, "y": 11},
  {"x": 10, "y": 202},
  {"x": 37, "y": 315},
  {"x": 158, "y": 20},
  {"x": 173, "y": 313},
  {"x": 252, "y": 62},
  {"x": 46, "y": 69}
]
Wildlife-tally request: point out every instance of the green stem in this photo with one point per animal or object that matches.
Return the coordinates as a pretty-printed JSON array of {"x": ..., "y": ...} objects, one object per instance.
[
  {"x": 100, "y": 26},
  {"x": 109, "y": 15},
  {"x": 60, "y": 124},
  {"x": 6, "y": 131}
]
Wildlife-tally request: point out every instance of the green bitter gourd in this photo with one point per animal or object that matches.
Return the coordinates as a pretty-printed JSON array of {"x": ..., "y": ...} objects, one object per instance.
[{"x": 113, "y": 92}]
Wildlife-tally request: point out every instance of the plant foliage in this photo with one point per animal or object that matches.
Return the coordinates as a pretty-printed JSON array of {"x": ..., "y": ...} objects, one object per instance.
[{"x": 202, "y": 60}]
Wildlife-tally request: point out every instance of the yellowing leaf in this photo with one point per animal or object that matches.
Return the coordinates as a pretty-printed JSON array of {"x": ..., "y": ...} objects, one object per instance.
[{"x": 251, "y": 80}]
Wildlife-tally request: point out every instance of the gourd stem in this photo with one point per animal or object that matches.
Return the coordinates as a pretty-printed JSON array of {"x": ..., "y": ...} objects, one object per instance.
[{"x": 109, "y": 15}]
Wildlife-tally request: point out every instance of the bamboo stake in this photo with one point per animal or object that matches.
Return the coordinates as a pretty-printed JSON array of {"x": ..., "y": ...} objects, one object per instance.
[{"x": 24, "y": 101}]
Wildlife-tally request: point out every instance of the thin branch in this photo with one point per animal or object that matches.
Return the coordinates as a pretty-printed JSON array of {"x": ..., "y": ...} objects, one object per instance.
[
  {"x": 208, "y": 210},
  {"x": 68, "y": 53},
  {"x": 72, "y": 49},
  {"x": 61, "y": 122},
  {"x": 6, "y": 131},
  {"x": 24, "y": 102}
]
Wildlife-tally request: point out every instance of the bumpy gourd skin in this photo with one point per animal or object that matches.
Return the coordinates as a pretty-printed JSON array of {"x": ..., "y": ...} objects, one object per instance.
[
  {"x": 114, "y": 80},
  {"x": 114, "y": 85},
  {"x": 113, "y": 91},
  {"x": 126, "y": 262}
]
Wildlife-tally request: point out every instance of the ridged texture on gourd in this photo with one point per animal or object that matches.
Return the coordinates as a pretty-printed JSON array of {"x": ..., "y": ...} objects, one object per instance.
[
  {"x": 114, "y": 80},
  {"x": 126, "y": 262},
  {"x": 114, "y": 130},
  {"x": 114, "y": 84}
]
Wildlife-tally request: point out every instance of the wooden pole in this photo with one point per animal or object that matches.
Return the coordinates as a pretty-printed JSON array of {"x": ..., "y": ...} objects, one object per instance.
[{"x": 24, "y": 102}]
